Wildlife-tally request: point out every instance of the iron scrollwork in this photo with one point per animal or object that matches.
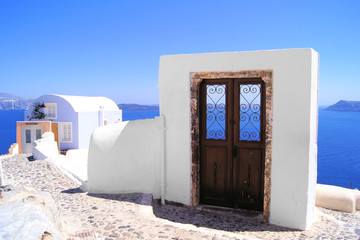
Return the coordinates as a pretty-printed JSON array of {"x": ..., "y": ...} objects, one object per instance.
[
  {"x": 250, "y": 112},
  {"x": 215, "y": 111}
]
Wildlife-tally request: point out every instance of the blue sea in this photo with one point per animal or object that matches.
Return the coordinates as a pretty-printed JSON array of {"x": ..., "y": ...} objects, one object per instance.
[
  {"x": 338, "y": 142},
  {"x": 339, "y": 148}
]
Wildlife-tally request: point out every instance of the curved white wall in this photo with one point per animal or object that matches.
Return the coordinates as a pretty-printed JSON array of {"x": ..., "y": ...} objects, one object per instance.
[{"x": 125, "y": 158}]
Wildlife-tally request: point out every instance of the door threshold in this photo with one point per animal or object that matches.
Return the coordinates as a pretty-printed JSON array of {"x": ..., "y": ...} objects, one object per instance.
[{"x": 227, "y": 210}]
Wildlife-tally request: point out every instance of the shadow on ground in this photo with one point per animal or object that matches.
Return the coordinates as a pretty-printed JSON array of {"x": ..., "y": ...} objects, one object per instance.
[
  {"x": 132, "y": 198},
  {"x": 231, "y": 221},
  {"x": 225, "y": 220},
  {"x": 72, "y": 190}
]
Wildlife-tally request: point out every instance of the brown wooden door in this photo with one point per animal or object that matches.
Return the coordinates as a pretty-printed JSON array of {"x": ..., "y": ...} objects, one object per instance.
[
  {"x": 55, "y": 130},
  {"x": 232, "y": 143}
]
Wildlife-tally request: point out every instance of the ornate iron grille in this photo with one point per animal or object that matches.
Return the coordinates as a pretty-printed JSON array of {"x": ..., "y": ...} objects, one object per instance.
[
  {"x": 250, "y": 112},
  {"x": 215, "y": 111}
]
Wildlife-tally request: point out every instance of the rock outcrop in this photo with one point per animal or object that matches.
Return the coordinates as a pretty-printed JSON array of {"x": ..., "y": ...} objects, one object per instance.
[{"x": 345, "y": 106}]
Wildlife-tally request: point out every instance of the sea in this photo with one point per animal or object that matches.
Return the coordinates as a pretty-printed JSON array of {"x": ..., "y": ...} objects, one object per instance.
[{"x": 338, "y": 142}]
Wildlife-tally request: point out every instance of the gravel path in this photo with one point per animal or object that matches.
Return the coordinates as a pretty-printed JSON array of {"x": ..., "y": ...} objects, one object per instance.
[{"x": 135, "y": 216}]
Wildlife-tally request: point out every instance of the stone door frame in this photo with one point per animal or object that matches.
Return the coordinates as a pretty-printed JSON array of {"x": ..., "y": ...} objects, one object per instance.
[{"x": 195, "y": 81}]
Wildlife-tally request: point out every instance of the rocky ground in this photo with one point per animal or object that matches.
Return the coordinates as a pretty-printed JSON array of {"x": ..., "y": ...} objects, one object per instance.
[{"x": 137, "y": 216}]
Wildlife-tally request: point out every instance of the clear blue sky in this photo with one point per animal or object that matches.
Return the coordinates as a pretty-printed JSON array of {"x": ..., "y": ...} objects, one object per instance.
[{"x": 112, "y": 48}]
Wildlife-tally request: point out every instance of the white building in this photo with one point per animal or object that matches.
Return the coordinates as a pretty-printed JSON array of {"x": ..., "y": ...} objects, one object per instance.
[
  {"x": 202, "y": 150},
  {"x": 71, "y": 118}
]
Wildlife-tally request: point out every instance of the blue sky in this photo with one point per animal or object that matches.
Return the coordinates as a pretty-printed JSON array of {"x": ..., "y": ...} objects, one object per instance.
[{"x": 112, "y": 48}]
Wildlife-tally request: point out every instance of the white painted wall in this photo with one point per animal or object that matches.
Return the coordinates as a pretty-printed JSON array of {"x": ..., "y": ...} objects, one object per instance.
[
  {"x": 15, "y": 150},
  {"x": 295, "y": 85},
  {"x": 113, "y": 116},
  {"x": 125, "y": 158},
  {"x": 88, "y": 121},
  {"x": 45, "y": 147},
  {"x": 314, "y": 108}
]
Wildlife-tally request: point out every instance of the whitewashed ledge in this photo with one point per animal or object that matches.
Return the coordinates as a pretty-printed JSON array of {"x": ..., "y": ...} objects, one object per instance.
[
  {"x": 73, "y": 165},
  {"x": 337, "y": 198},
  {"x": 14, "y": 149}
]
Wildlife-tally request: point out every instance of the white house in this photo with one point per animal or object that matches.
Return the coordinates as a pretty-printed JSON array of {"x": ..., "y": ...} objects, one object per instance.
[
  {"x": 71, "y": 118},
  {"x": 237, "y": 130}
]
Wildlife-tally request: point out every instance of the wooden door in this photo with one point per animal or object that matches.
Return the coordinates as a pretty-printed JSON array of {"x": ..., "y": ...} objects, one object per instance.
[
  {"x": 216, "y": 139},
  {"x": 55, "y": 130},
  {"x": 232, "y": 143}
]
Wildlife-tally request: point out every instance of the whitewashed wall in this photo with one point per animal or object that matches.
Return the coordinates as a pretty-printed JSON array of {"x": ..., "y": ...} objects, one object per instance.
[
  {"x": 125, "y": 158},
  {"x": 294, "y": 156}
]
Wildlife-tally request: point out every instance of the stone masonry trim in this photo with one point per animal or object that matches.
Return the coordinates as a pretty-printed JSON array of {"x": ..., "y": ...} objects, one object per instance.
[{"x": 195, "y": 81}]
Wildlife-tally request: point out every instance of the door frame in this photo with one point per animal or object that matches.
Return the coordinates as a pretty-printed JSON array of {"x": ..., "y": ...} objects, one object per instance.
[{"x": 195, "y": 80}]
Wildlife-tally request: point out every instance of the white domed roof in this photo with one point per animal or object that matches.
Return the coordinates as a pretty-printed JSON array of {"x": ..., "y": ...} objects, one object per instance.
[{"x": 88, "y": 104}]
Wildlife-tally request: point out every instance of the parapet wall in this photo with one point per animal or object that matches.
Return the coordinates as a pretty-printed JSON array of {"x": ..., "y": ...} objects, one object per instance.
[{"x": 125, "y": 158}]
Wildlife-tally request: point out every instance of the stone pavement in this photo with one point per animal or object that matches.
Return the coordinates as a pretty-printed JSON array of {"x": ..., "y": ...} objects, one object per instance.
[{"x": 135, "y": 216}]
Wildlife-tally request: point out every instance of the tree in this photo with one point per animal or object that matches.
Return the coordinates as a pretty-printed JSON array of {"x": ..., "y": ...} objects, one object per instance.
[{"x": 37, "y": 113}]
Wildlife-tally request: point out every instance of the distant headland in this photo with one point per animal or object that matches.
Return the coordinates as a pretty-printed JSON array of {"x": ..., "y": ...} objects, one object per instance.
[
  {"x": 137, "y": 107},
  {"x": 9, "y": 102},
  {"x": 345, "y": 106}
]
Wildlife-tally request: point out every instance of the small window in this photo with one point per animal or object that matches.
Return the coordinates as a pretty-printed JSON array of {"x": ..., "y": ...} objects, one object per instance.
[
  {"x": 38, "y": 134},
  {"x": 50, "y": 110},
  {"x": 66, "y": 132},
  {"x": 28, "y": 135}
]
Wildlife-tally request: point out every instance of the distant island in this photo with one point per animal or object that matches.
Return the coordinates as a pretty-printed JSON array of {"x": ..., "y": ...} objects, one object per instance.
[
  {"x": 137, "y": 107},
  {"x": 9, "y": 102},
  {"x": 345, "y": 106}
]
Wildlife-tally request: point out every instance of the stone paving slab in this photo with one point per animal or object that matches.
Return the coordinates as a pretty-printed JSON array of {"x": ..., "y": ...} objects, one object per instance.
[{"x": 131, "y": 216}]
